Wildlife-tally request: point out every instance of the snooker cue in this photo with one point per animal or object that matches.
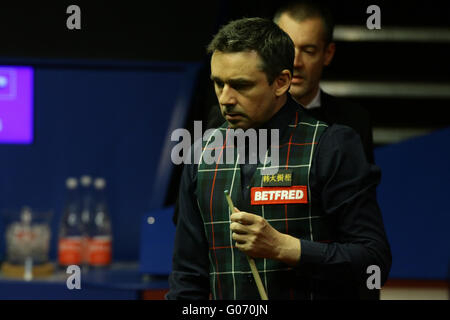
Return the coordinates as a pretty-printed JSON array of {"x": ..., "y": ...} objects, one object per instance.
[{"x": 251, "y": 261}]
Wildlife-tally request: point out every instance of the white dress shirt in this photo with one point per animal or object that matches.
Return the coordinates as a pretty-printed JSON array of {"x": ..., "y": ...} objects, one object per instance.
[{"x": 315, "y": 103}]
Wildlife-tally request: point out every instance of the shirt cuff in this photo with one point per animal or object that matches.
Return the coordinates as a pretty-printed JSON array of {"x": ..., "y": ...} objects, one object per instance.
[{"x": 312, "y": 252}]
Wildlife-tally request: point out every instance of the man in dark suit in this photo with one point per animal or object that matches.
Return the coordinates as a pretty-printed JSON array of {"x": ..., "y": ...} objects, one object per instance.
[{"x": 310, "y": 26}]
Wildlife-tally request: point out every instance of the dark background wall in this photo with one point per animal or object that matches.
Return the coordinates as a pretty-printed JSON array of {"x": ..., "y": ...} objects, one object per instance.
[{"x": 167, "y": 30}]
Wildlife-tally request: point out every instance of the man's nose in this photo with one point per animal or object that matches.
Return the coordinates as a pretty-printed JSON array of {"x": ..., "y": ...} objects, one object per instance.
[
  {"x": 227, "y": 96},
  {"x": 298, "y": 61}
]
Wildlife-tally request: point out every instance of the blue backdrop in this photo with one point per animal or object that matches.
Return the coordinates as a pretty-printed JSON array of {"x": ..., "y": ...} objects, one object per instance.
[
  {"x": 413, "y": 197},
  {"x": 105, "y": 119}
]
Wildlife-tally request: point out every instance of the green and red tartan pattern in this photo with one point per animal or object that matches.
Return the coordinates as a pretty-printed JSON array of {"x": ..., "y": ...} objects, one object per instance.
[{"x": 230, "y": 275}]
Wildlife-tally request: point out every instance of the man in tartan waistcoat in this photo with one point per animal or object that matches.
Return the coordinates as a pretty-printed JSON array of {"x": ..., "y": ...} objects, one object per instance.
[{"x": 313, "y": 227}]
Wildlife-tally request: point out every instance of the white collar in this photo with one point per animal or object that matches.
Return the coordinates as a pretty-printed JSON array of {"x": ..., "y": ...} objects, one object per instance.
[{"x": 315, "y": 103}]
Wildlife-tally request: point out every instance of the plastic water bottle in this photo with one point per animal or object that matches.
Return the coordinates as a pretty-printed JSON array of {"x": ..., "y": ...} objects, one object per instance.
[
  {"x": 70, "y": 232},
  {"x": 87, "y": 209},
  {"x": 100, "y": 242}
]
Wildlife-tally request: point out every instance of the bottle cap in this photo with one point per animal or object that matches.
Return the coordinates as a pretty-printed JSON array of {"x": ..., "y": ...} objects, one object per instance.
[
  {"x": 85, "y": 180},
  {"x": 99, "y": 183},
  {"x": 71, "y": 183},
  {"x": 26, "y": 215}
]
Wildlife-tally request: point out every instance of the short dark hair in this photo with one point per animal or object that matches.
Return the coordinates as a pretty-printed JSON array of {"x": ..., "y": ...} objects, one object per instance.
[
  {"x": 272, "y": 44},
  {"x": 302, "y": 10}
]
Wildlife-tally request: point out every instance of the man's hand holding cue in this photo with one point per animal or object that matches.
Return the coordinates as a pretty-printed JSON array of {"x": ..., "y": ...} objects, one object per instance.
[{"x": 257, "y": 238}]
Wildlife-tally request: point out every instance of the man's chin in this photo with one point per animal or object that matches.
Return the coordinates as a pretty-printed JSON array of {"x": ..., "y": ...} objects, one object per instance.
[
  {"x": 297, "y": 91},
  {"x": 237, "y": 125}
]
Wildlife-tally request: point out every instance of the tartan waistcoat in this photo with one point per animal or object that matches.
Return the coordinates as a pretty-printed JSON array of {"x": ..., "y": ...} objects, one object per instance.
[{"x": 230, "y": 274}]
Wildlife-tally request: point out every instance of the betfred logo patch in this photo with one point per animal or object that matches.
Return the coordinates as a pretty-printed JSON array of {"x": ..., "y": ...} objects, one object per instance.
[{"x": 279, "y": 195}]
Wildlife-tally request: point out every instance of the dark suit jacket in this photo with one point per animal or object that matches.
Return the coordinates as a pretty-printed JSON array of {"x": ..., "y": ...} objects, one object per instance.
[
  {"x": 332, "y": 110},
  {"x": 338, "y": 110}
]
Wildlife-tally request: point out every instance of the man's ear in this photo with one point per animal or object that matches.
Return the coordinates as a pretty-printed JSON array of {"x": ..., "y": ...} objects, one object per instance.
[
  {"x": 282, "y": 82},
  {"x": 329, "y": 53}
]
